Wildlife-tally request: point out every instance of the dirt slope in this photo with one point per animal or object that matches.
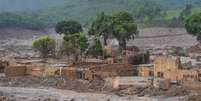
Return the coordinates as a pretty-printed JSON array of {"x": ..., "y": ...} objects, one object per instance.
[
  {"x": 15, "y": 40},
  {"x": 162, "y": 37}
]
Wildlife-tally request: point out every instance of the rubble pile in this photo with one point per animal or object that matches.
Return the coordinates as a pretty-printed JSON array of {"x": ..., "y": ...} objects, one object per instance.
[
  {"x": 5, "y": 98},
  {"x": 151, "y": 91},
  {"x": 194, "y": 49},
  {"x": 192, "y": 98},
  {"x": 176, "y": 91}
]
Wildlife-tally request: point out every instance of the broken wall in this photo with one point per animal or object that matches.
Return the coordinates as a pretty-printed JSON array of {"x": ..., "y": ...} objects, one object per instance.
[
  {"x": 43, "y": 71},
  {"x": 164, "y": 64},
  {"x": 192, "y": 85},
  {"x": 145, "y": 71},
  {"x": 15, "y": 71}
]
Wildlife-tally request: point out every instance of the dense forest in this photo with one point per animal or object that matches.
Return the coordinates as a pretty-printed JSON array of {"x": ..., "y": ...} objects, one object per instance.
[
  {"x": 27, "y": 5},
  {"x": 46, "y": 13}
]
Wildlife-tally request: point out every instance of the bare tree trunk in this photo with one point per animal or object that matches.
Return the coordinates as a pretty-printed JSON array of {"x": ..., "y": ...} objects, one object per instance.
[
  {"x": 105, "y": 41},
  {"x": 122, "y": 45}
]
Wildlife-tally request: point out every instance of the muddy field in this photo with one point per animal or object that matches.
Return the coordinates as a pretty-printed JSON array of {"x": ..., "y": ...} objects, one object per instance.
[
  {"x": 59, "y": 88},
  {"x": 163, "y": 37},
  {"x": 17, "y": 42},
  {"x": 50, "y": 88}
]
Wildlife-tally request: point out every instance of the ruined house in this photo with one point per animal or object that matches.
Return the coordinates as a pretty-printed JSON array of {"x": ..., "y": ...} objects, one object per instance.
[
  {"x": 91, "y": 71},
  {"x": 169, "y": 68}
]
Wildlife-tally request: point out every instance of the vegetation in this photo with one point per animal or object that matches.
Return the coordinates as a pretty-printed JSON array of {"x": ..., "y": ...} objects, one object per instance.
[
  {"x": 178, "y": 21},
  {"x": 193, "y": 25},
  {"x": 119, "y": 25},
  {"x": 72, "y": 4},
  {"x": 75, "y": 42},
  {"x": 96, "y": 49},
  {"x": 27, "y": 5},
  {"x": 146, "y": 11},
  {"x": 101, "y": 27},
  {"x": 68, "y": 27},
  {"x": 45, "y": 45},
  {"x": 124, "y": 28}
]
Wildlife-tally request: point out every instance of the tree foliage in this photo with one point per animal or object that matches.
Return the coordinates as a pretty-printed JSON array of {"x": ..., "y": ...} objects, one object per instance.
[
  {"x": 124, "y": 28},
  {"x": 45, "y": 45},
  {"x": 68, "y": 27},
  {"x": 73, "y": 9},
  {"x": 23, "y": 20},
  {"x": 186, "y": 12},
  {"x": 101, "y": 26},
  {"x": 193, "y": 25},
  {"x": 119, "y": 25},
  {"x": 148, "y": 12},
  {"x": 96, "y": 49},
  {"x": 74, "y": 41}
]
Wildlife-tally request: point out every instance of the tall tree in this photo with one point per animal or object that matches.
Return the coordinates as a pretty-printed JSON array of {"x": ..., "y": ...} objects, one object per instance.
[
  {"x": 101, "y": 27},
  {"x": 193, "y": 25},
  {"x": 124, "y": 28},
  {"x": 75, "y": 42},
  {"x": 187, "y": 11}
]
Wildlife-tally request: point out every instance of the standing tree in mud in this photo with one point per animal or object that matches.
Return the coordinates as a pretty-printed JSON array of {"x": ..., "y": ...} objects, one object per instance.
[
  {"x": 193, "y": 25},
  {"x": 45, "y": 45},
  {"x": 75, "y": 42},
  {"x": 101, "y": 27},
  {"x": 124, "y": 28}
]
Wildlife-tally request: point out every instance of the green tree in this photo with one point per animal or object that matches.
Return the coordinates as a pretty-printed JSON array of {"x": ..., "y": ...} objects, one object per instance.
[
  {"x": 45, "y": 45},
  {"x": 148, "y": 12},
  {"x": 187, "y": 11},
  {"x": 193, "y": 25},
  {"x": 96, "y": 49},
  {"x": 75, "y": 42},
  {"x": 124, "y": 28},
  {"x": 68, "y": 27},
  {"x": 101, "y": 26}
]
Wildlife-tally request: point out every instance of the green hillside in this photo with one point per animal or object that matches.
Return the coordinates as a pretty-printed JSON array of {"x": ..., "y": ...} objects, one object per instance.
[
  {"x": 50, "y": 12},
  {"x": 27, "y": 5},
  {"x": 176, "y": 12}
]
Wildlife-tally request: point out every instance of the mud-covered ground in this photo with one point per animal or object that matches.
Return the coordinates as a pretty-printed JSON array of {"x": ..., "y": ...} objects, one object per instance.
[
  {"x": 28, "y": 88},
  {"x": 17, "y": 41},
  {"x": 157, "y": 37}
]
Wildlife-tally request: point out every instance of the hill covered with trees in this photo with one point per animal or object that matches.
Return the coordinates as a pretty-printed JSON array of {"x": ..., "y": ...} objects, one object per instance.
[
  {"x": 46, "y": 13},
  {"x": 27, "y": 5}
]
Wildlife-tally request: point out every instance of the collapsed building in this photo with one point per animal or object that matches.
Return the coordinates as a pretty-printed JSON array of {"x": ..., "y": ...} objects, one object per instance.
[
  {"x": 163, "y": 68},
  {"x": 170, "y": 70},
  {"x": 82, "y": 70}
]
